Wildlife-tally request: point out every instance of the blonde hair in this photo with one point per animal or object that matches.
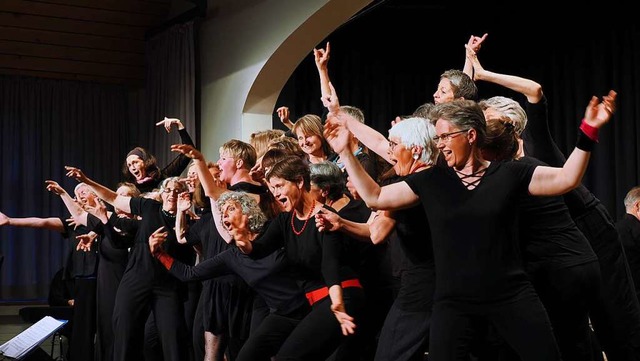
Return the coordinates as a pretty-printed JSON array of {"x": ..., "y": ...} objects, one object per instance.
[
  {"x": 238, "y": 149},
  {"x": 311, "y": 124},
  {"x": 260, "y": 140}
]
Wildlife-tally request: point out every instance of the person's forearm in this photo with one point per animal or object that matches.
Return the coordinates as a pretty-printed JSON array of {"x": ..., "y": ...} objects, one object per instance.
[
  {"x": 211, "y": 189},
  {"x": 367, "y": 188},
  {"x": 180, "y": 227},
  {"x": 335, "y": 293},
  {"x": 359, "y": 231},
  {"x": 71, "y": 205},
  {"x": 51, "y": 223},
  {"x": 325, "y": 90},
  {"x": 527, "y": 87},
  {"x": 368, "y": 136},
  {"x": 549, "y": 181},
  {"x": 103, "y": 192}
]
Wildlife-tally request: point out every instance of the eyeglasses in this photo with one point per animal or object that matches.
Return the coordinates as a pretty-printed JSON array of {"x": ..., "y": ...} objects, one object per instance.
[
  {"x": 169, "y": 190},
  {"x": 445, "y": 137}
]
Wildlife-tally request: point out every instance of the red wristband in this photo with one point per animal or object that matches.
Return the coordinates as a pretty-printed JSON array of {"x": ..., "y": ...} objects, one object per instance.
[
  {"x": 589, "y": 131},
  {"x": 165, "y": 259}
]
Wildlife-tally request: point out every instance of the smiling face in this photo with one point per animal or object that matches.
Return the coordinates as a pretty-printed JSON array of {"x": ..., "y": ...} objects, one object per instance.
[
  {"x": 135, "y": 164},
  {"x": 287, "y": 193},
  {"x": 444, "y": 92},
  {"x": 233, "y": 220},
  {"x": 310, "y": 144},
  {"x": 455, "y": 148},
  {"x": 169, "y": 195}
]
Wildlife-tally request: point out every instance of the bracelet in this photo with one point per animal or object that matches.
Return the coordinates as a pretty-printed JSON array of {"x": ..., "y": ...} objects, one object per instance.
[
  {"x": 585, "y": 142},
  {"x": 589, "y": 131}
]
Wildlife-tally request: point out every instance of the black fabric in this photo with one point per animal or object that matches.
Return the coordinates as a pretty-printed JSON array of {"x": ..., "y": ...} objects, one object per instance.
[
  {"x": 315, "y": 256},
  {"x": 474, "y": 232},
  {"x": 629, "y": 230}
]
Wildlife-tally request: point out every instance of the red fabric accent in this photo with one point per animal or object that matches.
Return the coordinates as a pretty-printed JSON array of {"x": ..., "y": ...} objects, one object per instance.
[
  {"x": 165, "y": 259},
  {"x": 316, "y": 295},
  {"x": 589, "y": 131}
]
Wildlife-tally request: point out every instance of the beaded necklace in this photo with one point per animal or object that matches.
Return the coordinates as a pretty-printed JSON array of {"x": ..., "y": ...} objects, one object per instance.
[{"x": 297, "y": 233}]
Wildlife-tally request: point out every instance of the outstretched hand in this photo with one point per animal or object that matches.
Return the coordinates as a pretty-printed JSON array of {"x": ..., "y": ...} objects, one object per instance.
[
  {"x": 53, "y": 186},
  {"x": 187, "y": 150},
  {"x": 336, "y": 134},
  {"x": 598, "y": 113},
  {"x": 4, "y": 220},
  {"x": 346, "y": 322},
  {"x": 167, "y": 122},
  {"x": 284, "y": 114},
  {"x": 75, "y": 173},
  {"x": 85, "y": 241},
  {"x": 327, "y": 221},
  {"x": 157, "y": 238},
  {"x": 184, "y": 202}
]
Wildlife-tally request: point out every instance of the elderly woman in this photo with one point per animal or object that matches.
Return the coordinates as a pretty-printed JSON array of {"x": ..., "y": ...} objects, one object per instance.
[
  {"x": 331, "y": 287},
  {"x": 146, "y": 286},
  {"x": 268, "y": 276},
  {"x": 411, "y": 150},
  {"x": 471, "y": 206}
]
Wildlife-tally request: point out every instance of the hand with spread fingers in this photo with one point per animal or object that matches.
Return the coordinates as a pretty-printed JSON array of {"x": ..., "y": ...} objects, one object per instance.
[
  {"x": 346, "y": 322},
  {"x": 188, "y": 150},
  {"x": 157, "y": 238},
  {"x": 85, "y": 241}
]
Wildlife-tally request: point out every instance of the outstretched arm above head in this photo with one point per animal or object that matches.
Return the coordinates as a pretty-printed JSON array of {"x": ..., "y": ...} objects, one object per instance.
[{"x": 106, "y": 194}]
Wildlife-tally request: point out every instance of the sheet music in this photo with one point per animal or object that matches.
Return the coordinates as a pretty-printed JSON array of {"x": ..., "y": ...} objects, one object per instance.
[{"x": 30, "y": 338}]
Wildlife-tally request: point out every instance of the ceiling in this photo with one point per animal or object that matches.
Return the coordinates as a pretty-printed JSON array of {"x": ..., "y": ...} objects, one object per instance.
[{"x": 92, "y": 40}]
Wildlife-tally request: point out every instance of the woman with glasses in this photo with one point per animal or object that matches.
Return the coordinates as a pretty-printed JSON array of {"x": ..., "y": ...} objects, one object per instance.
[
  {"x": 471, "y": 205},
  {"x": 146, "y": 285}
]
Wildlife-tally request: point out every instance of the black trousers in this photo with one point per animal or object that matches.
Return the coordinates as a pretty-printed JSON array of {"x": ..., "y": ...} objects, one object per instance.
[
  {"x": 522, "y": 322},
  {"x": 81, "y": 345},
  {"x": 134, "y": 301},
  {"x": 616, "y": 316},
  {"x": 319, "y": 334}
]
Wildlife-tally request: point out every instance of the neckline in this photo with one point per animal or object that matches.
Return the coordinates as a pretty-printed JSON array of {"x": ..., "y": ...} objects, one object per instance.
[{"x": 293, "y": 215}]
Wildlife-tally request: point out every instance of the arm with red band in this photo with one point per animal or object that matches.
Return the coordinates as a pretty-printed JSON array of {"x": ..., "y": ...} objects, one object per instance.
[
  {"x": 589, "y": 131},
  {"x": 165, "y": 259}
]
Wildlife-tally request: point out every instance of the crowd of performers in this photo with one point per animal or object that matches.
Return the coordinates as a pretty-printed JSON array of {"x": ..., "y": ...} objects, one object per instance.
[{"x": 465, "y": 234}]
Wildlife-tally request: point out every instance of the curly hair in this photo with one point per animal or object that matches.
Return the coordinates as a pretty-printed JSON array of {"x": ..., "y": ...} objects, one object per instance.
[{"x": 249, "y": 207}]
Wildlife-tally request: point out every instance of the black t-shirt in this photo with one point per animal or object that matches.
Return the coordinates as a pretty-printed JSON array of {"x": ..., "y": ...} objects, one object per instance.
[
  {"x": 474, "y": 232},
  {"x": 315, "y": 256},
  {"x": 549, "y": 237},
  {"x": 141, "y": 260},
  {"x": 109, "y": 252}
]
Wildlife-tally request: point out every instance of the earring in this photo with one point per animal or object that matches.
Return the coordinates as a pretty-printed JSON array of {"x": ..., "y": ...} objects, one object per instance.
[{"x": 416, "y": 156}]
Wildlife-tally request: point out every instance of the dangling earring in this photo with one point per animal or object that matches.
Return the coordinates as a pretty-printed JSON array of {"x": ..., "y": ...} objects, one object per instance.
[{"x": 416, "y": 156}]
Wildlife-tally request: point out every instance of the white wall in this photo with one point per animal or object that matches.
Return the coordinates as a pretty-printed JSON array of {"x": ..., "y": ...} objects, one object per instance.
[{"x": 249, "y": 49}]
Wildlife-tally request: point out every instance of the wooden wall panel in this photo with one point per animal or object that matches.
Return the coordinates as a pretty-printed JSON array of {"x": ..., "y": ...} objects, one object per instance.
[{"x": 92, "y": 40}]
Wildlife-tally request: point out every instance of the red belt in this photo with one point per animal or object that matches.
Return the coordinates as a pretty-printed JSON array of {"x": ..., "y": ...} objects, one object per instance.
[{"x": 316, "y": 295}]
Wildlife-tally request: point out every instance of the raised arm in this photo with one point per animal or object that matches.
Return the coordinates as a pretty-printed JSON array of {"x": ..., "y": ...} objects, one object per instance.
[
  {"x": 321, "y": 57},
  {"x": 184, "y": 204},
  {"x": 77, "y": 213},
  {"x": 283, "y": 114},
  {"x": 526, "y": 87},
  {"x": 394, "y": 196},
  {"x": 368, "y": 136},
  {"x": 51, "y": 223},
  {"x": 181, "y": 162},
  {"x": 556, "y": 181},
  {"x": 212, "y": 188},
  {"x": 472, "y": 47},
  {"x": 104, "y": 193}
]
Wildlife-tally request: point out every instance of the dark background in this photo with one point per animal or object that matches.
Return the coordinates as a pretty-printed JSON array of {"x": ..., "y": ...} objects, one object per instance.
[{"x": 388, "y": 59}]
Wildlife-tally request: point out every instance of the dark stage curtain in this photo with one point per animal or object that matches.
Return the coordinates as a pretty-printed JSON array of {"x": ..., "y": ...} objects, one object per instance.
[
  {"x": 44, "y": 125},
  {"x": 387, "y": 61}
]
